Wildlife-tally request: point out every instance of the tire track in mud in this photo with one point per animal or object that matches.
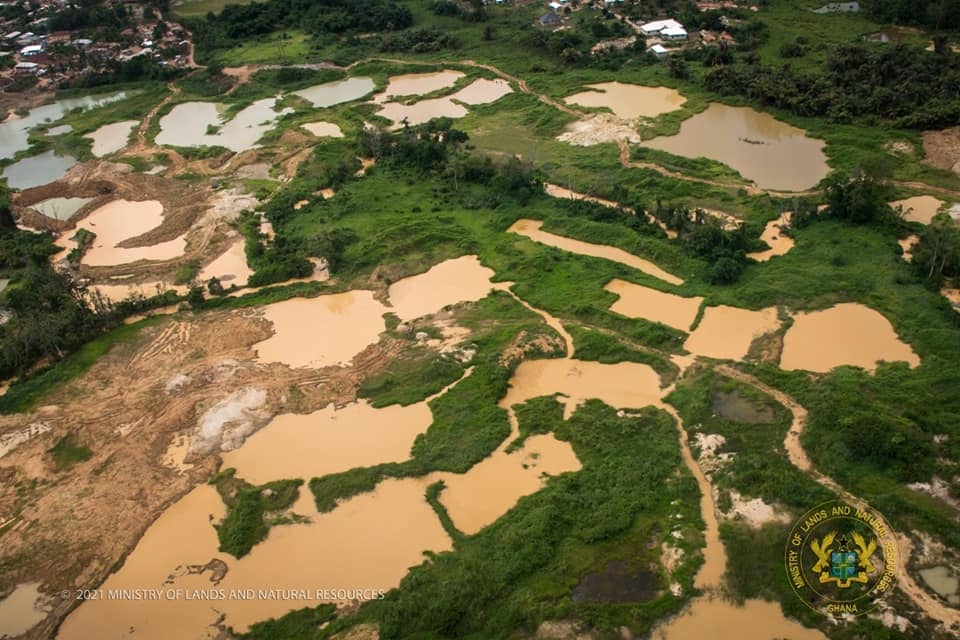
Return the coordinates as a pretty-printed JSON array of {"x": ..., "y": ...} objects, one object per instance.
[{"x": 798, "y": 457}]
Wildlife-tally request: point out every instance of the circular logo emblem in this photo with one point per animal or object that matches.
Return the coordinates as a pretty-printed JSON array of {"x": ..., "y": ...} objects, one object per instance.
[{"x": 841, "y": 558}]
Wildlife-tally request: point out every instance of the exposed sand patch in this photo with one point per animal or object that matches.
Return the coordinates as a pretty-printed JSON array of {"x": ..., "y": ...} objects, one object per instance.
[
  {"x": 726, "y": 332},
  {"x": 323, "y": 129},
  {"x": 845, "y": 334},
  {"x": 943, "y": 149},
  {"x": 637, "y": 301},
  {"x": 599, "y": 129},
  {"x": 532, "y": 229}
]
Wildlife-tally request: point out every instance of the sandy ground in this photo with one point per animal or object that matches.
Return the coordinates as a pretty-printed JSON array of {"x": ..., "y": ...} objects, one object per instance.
[
  {"x": 943, "y": 149},
  {"x": 128, "y": 409}
]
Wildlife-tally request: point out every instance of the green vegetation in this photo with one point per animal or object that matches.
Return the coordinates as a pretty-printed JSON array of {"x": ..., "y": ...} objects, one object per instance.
[
  {"x": 246, "y": 521},
  {"x": 410, "y": 379},
  {"x": 187, "y": 272},
  {"x": 301, "y": 624},
  {"x": 66, "y": 452},
  {"x": 433, "y": 499}
]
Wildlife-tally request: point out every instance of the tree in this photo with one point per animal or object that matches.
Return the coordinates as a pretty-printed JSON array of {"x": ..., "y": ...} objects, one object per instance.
[{"x": 937, "y": 252}]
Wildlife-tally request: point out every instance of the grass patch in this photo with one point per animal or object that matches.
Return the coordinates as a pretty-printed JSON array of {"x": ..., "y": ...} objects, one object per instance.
[
  {"x": 247, "y": 505},
  {"x": 66, "y": 453}
]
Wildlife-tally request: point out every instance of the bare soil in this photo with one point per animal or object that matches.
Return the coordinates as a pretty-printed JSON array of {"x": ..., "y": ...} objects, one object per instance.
[{"x": 943, "y": 149}]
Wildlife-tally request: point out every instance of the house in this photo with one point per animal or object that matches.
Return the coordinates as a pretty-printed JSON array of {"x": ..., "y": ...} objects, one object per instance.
[
  {"x": 82, "y": 42},
  {"x": 25, "y": 68},
  {"x": 555, "y": 6},
  {"x": 659, "y": 50},
  {"x": 549, "y": 19},
  {"x": 657, "y": 26},
  {"x": 31, "y": 50},
  {"x": 674, "y": 33}
]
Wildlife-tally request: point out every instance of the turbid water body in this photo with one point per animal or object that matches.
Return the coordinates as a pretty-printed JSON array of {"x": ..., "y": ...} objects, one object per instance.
[
  {"x": 629, "y": 101},
  {"x": 111, "y": 137},
  {"x": 422, "y": 111},
  {"x": 230, "y": 267},
  {"x": 347, "y": 548},
  {"x": 483, "y": 91},
  {"x": 322, "y": 331},
  {"x": 120, "y": 292},
  {"x": 716, "y": 618},
  {"x": 532, "y": 229},
  {"x": 774, "y": 237},
  {"x": 121, "y": 220},
  {"x": 59, "y": 208},
  {"x": 329, "y": 441},
  {"x": 906, "y": 244},
  {"x": 418, "y": 84},
  {"x": 19, "y": 611},
  {"x": 338, "y": 92},
  {"x": 918, "y": 208},
  {"x": 323, "y": 129},
  {"x": 727, "y": 332},
  {"x": 845, "y": 334},
  {"x": 771, "y": 153},
  {"x": 188, "y": 124},
  {"x": 637, "y": 301},
  {"x": 37, "y": 170},
  {"x": 461, "y": 279},
  {"x": 14, "y": 132},
  {"x": 943, "y": 581}
]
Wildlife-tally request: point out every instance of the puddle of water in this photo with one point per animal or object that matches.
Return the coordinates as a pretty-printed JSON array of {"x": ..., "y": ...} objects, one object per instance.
[
  {"x": 918, "y": 208},
  {"x": 726, "y": 332},
  {"x": 19, "y": 612},
  {"x": 494, "y": 485},
  {"x": 845, "y": 334},
  {"x": 422, "y": 111},
  {"x": 348, "y": 548},
  {"x": 59, "y": 130},
  {"x": 771, "y": 153},
  {"x": 532, "y": 229},
  {"x": 617, "y": 583},
  {"x": 60, "y": 208},
  {"x": 186, "y": 125},
  {"x": 117, "y": 221},
  {"x": 37, "y": 170},
  {"x": 176, "y": 453},
  {"x": 907, "y": 245},
  {"x": 322, "y": 331},
  {"x": 624, "y": 385},
  {"x": 629, "y": 101},
  {"x": 14, "y": 132},
  {"x": 231, "y": 267},
  {"x": 111, "y": 137},
  {"x": 773, "y": 236},
  {"x": 739, "y": 408},
  {"x": 715, "y": 618},
  {"x": 329, "y": 441},
  {"x": 943, "y": 581},
  {"x": 120, "y": 292},
  {"x": 637, "y": 301},
  {"x": 417, "y": 84},
  {"x": 331, "y": 93},
  {"x": 462, "y": 279},
  {"x": 483, "y": 91},
  {"x": 323, "y": 129}
]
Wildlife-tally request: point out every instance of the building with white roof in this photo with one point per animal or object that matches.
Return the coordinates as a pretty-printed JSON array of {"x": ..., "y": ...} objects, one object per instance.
[
  {"x": 674, "y": 33},
  {"x": 657, "y": 26}
]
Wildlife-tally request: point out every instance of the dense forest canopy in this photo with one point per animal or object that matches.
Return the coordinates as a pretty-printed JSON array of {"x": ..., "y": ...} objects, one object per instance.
[
  {"x": 933, "y": 14},
  {"x": 236, "y": 22}
]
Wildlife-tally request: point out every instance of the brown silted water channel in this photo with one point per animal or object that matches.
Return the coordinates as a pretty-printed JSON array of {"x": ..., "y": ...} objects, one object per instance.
[
  {"x": 771, "y": 153},
  {"x": 230, "y": 267},
  {"x": 637, "y": 301},
  {"x": 774, "y": 237},
  {"x": 629, "y": 101},
  {"x": 845, "y": 334},
  {"x": 532, "y": 229},
  {"x": 19, "y": 611}
]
